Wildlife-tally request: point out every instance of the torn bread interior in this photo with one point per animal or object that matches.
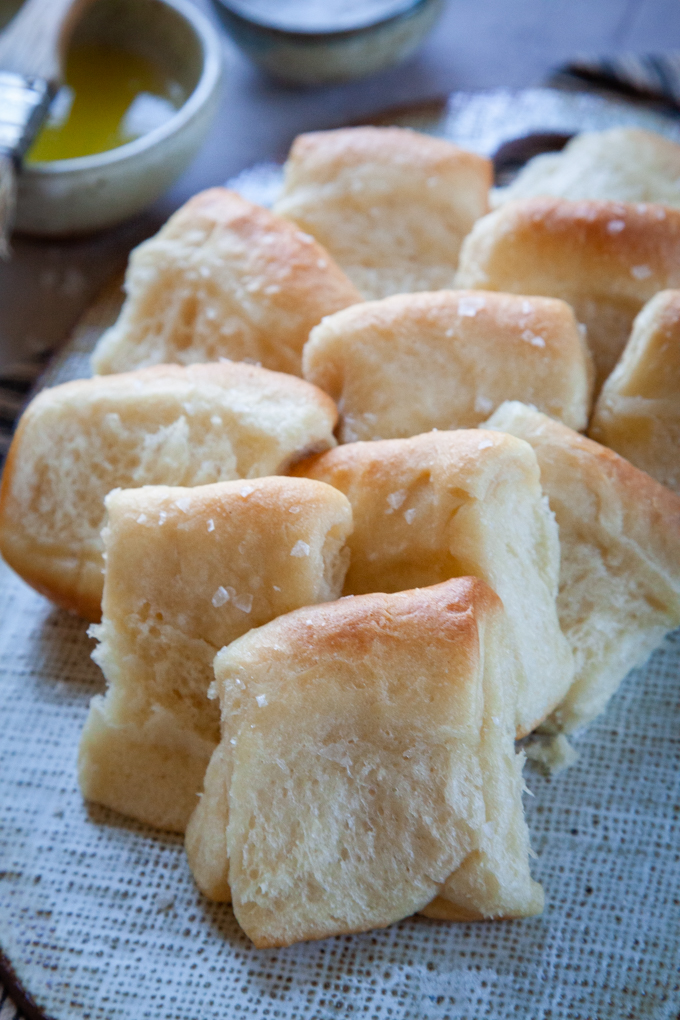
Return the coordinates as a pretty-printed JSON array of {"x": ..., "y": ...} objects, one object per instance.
[
  {"x": 620, "y": 557},
  {"x": 165, "y": 425},
  {"x": 446, "y": 504},
  {"x": 367, "y": 769},
  {"x": 638, "y": 411},
  {"x": 187, "y": 572}
]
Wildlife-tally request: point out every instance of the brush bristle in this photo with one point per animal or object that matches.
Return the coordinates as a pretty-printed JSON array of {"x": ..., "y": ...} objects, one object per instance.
[{"x": 7, "y": 202}]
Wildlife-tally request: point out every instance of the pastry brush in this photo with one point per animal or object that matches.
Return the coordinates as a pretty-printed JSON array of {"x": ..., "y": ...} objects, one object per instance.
[{"x": 31, "y": 60}]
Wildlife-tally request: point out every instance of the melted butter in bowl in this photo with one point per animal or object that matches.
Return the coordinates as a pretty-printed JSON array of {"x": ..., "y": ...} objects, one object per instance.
[
  {"x": 142, "y": 86},
  {"x": 110, "y": 97}
]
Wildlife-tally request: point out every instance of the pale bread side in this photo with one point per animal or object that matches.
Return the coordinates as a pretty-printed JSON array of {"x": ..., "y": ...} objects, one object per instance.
[
  {"x": 392, "y": 206},
  {"x": 368, "y": 764},
  {"x": 620, "y": 556},
  {"x": 446, "y": 359},
  {"x": 638, "y": 412},
  {"x": 167, "y": 425},
  {"x": 223, "y": 278},
  {"x": 188, "y": 571},
  {"x": 605, "y": 259},
  {"x": 621, "y": 164},
  {"x": 447, "y": 504}
]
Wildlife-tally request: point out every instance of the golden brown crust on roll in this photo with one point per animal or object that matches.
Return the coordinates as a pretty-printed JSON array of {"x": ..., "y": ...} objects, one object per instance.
[
  {"x": 414, "y": 362},
  {"x": 620, "y": 564},
  {"x": 223, "y": 278},
  {"x": 606, "y": 259},
  {"x": 188, "y": 571},
  {"x": 446, "y": 504},
  {"x": 638, "y": 413},
  {"x": 162, "y": 425},
  {"x": 390, "y": 204},
  {"x": 366, "y": 766}
]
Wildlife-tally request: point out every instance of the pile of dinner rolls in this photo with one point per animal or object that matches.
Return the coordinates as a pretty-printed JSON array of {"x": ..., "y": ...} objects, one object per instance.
[{"x": 363, "y": 489}]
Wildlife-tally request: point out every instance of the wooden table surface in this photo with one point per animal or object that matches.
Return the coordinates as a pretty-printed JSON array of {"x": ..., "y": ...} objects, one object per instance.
[{"x": 477, "y": 44}]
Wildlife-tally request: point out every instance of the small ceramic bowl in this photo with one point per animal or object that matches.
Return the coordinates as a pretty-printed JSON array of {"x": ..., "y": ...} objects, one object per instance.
[
  {"x": 76, "y": 196},
  {"x": 330, "y": 56}
]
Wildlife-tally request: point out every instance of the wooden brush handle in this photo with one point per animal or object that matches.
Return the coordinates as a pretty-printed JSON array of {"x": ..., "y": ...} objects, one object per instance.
[{"x": 35, "y": 41}]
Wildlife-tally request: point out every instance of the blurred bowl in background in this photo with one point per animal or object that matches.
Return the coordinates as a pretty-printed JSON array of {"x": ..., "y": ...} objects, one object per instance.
[
  {"x": 68, "y": 197},
  {"x": 309, "y": 42}
]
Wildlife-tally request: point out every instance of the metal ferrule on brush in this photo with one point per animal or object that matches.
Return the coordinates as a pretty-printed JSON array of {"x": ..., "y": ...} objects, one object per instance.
[
  {"x": 23, "y": 106},
  {"x": 24, "y": 102},
  {"x": 31, "y": 51}
]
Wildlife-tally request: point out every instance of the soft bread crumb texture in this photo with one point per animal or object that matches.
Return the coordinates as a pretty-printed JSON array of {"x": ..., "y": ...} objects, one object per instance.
[
  {"x": 367, "y": 769},
  {"x": 170, "y": 552},
  {"x": 448, "y": 504},
  {"x": 392, "y": 206},
  {"x": 445, "y": 360},
  {"x": 638, "y": 412},
  {"x": 621, "y": 164},
  {"x": 551, "y": 753},
  {"x": 605, "y": 259},
  {"x": 620, "y": 557},
  {"x": 167, "y": 425},
  {"x": 223, "y": 278}
]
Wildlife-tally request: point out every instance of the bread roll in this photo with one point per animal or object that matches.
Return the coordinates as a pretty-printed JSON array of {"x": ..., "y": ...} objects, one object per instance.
[
  {"x": 392, "y": 206},
  {"x": 606, "y": 259},
  {"x": 621, "y": 164},
  {"x": 620, "y": 570},
  {"x": 444, "y": 360},
  {"x": 166, "y": 424},
  {"x": 447, "y": 504},
  {"x": 223, "y": 278},
  {"x": 638, "y": 413},
  {"x": 187, "y": 571},
  {"x": 367, "y": 769}
]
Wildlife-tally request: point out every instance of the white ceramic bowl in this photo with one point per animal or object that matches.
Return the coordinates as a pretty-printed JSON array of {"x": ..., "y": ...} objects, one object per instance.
[{"x": 76, "y": 196}]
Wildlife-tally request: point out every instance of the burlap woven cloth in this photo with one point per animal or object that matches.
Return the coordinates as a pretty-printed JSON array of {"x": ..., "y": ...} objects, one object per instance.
[{"x": 101, "y": 919}]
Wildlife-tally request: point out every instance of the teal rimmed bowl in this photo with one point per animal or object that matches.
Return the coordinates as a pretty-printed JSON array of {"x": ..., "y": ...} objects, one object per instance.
[{"x": 327, "y": 55}]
